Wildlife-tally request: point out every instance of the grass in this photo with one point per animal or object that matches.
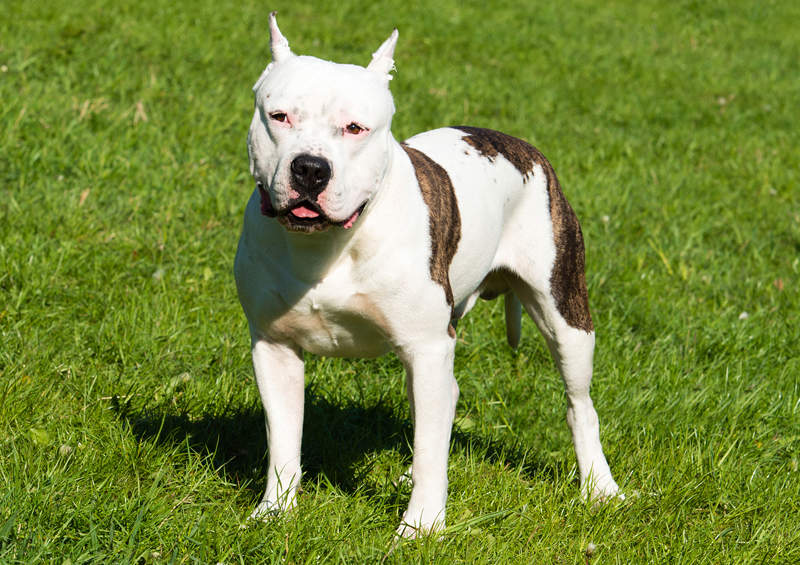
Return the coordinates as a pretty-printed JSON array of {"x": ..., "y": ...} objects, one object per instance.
[{"x": 130, "y": 428}]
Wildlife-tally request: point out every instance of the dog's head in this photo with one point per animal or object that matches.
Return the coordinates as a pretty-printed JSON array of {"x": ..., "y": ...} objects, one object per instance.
[{"x": 320, "y": 139}]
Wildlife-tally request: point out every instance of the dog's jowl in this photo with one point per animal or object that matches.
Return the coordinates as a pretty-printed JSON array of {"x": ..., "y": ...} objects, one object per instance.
[{"x": 356, "y": 245}]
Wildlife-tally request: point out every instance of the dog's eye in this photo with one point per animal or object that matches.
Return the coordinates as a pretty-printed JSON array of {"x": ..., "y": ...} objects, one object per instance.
[
  {"x": 279, "y": 116},
  {"x": 354, "y": 129}
]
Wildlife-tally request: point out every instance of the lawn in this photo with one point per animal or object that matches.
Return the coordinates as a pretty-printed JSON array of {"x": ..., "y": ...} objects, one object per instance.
[{"x": 130, "y": 425}]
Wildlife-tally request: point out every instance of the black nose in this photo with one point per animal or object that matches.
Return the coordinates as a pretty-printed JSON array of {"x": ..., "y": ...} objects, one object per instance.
[{"x": 310, "y": 173}]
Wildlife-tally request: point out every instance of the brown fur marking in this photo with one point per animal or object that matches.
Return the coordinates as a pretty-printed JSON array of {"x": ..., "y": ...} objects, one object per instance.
[
  {"x": 445, "y": 220},
  {"x": 568, "y": 278}
]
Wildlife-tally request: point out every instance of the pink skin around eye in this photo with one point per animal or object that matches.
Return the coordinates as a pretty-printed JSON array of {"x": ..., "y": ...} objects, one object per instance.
[
  {"x": 280, "y": 119},
  {"x": 361, "y": 130}
]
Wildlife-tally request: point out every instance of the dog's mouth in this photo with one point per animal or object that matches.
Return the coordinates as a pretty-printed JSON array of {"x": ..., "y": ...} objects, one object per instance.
[{"x": 304, "y": 215}]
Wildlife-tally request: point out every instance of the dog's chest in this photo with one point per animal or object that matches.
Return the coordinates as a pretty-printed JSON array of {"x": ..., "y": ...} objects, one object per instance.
[{"x": 335, "y": 318}]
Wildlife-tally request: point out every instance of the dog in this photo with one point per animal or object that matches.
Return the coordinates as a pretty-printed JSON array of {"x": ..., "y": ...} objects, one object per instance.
[{"x": 356, "y": 245}]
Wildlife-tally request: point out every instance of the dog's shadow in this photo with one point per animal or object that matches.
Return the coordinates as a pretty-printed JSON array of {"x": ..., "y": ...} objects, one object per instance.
[{"x": 336, "y": 437}]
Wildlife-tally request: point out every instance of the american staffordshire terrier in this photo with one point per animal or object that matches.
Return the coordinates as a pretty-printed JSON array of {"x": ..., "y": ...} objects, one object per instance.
[{"x": 356, "y": 245}]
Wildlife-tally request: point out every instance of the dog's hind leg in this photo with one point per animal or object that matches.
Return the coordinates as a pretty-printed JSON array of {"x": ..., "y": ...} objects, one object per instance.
[
  {"x": 559, "y": 304},
  {"x": 572, "y": 349},
  {"x": 513, "y": 310}
]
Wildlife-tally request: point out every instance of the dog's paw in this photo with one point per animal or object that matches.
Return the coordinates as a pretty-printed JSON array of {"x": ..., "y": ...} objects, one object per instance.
[
  {"x": 601, "y": 490},
  {"x": 417, "y": 523},
  {"x": 270, "y": 509},
  {"x": 265, "y": 512},
  {"x": 405, "y": 531},
  {"x": 408, "y": 532}
]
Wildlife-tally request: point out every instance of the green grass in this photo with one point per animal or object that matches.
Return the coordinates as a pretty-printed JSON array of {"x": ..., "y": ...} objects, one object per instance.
[{"x": 130, "y": 428}]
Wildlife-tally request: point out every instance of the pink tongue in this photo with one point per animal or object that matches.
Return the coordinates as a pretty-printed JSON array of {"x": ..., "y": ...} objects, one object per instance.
[
  {"x": 351, "y": 220},
  {"x": 303, "y": 212}
]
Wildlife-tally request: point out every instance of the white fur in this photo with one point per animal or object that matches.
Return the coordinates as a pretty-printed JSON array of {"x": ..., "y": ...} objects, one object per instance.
[{"x": 368, "y": 290}]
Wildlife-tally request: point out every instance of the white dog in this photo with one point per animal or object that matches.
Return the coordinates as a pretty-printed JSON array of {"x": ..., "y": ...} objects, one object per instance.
[{"x": 355, "y": 245}]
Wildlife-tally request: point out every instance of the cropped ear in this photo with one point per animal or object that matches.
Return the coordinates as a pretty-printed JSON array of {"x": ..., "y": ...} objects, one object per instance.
[
  {"x": 277, "y": 42},
  {"x": 382, "y": 62},
  {"x": 279, "y": 46}
]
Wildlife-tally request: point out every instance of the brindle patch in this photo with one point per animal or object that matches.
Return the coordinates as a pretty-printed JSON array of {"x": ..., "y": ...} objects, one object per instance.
[
  {"x": 445, "y": 220},
  {"x": 490, "y": 144},
  {"x": 568, "y": 278}
]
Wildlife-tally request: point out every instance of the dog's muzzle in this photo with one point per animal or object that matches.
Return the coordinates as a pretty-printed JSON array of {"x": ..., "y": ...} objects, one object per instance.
[{"x": 309, "y": 177}]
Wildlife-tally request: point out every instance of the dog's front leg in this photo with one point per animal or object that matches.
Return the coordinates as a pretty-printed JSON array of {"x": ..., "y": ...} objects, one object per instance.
[
  {"x": 279, "y": 374},
  {"x": 433, "y": 394}
]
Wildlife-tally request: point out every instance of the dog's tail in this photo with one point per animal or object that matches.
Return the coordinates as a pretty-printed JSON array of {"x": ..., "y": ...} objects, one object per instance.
[{"x": 513, "y": 319}]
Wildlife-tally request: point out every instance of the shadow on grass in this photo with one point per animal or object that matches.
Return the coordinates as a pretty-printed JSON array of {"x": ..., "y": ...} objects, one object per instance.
[{"x": 335, "y": 439}]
